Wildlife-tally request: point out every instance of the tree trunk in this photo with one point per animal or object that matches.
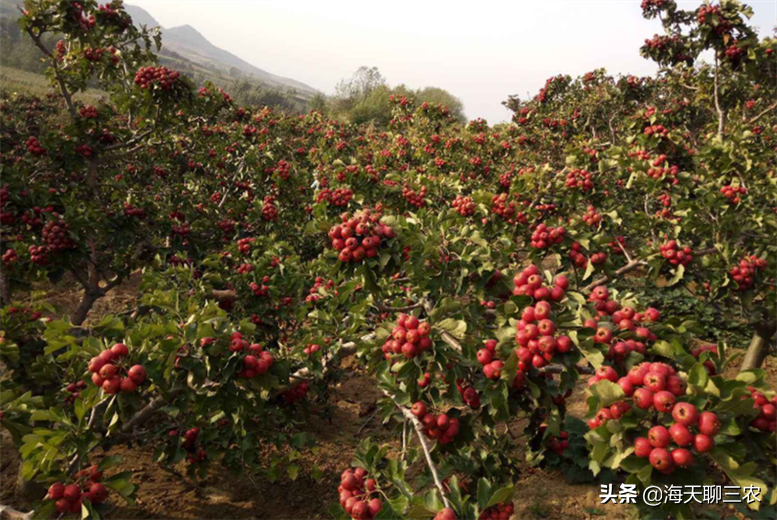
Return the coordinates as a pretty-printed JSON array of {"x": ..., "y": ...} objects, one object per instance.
[
  {"x": 87, "y": 300},
  {"x": 5, "y": 289},
  {"x": 759, "y": 345}
]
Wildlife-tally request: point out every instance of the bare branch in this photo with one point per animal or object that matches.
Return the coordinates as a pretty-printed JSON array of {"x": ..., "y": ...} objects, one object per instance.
[
  {"x": 761, "y": 114},
  {"x": 8, "y": 513},
  {"x": 57, "y": 73},
  {"x": 419, "y": 430},
  {"x": 634, "y": 264}
]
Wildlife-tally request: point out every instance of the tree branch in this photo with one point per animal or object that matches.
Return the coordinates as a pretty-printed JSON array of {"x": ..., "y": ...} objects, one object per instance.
[
  {"x": 761, "y": 114},
  {"x": 634, "y": 264},
  {"x": 419, "y": 430},
  {"x": 8, "y": 513},
  {"x": 721, "y": 114},
  {"x": 57, "y": 73}
]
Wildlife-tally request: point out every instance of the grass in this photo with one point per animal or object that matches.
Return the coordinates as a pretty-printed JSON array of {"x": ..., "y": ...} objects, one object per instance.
[{"x": 29, "y": 83}]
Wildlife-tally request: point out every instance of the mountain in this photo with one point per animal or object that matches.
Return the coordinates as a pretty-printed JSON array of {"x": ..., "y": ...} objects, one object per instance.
[{"x": 188, "y": 43}]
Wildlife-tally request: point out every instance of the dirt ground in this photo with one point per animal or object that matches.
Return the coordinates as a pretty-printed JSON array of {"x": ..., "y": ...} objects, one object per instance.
[{"x": 161, "y": 494}]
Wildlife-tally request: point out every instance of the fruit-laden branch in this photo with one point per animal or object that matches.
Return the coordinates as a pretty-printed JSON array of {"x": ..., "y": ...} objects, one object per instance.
[
  {"x": 763, "y": 113},
  {"x": 446, "y": 336},
  {"x": 419, "y": 431},
  {"x": 36, "y": 38},
  {"x": 634, "y": 264},
  {"x": 145, "y": 413},
  {"x": 8, "y": 513},
  {"x": 346, "y": 349}
]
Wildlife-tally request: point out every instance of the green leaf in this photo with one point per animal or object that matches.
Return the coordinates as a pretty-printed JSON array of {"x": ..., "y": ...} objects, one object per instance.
[
  {"x": 501, "y": 495},
  {"x": 607, "y": 392},
  {"x": 456, "y": 328},
  {"x": 679, "y": 272},
  {"x": 293, "y": 471}
]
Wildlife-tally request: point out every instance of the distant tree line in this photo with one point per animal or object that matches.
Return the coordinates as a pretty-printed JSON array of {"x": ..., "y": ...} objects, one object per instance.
[{"x": 364, "y": 98}]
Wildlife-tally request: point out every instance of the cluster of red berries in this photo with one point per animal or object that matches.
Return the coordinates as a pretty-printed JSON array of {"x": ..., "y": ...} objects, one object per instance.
[
  {"x": 244, "y": 245},
  {"x": 591, "y": 217},
  {"x": 69, "y": 497},
  {"x": 355, "y": 491},
  {"x": 659, "y": 173},
  {"x": 190, "y": 436},
  {"x": 529, "y": 283},
  {"x": 106, "y": 367},
  {"x": 161, "y": 76},
  {"x": 625, "y": 318},
  {"x": 88, "y": 112},
  {"x": 735, "y": 52},
  {"x": 415, "y": 198},
  {"x": 732, "y": 193},
  {"x": 39, "y": 255},
  {"x": 74, "y": 389},
  {"x": 311, "y": 349},
  {"x": 492, "y": 368},
  {"x": 712, "y": 15},
  {"x": 409, "y": 337},
  {"x": 244, "y": 268},
  {"x": 498, "y": 512},
  {"x": 314, "y": 294},
  {"x": 580, "y": 260},
  {"x": 183, "y": 229},
  {"x": 685, "y": 418},
  {"x": 469, "y": 395},
  {"x": 677, "y": 256},
  {"x": 708, "y": 364},
  {"x": 464, "y": 205},
  {"x": 507, "y": 210},
  {"x": 339, "y": 197},
  {"x": 652, "y": 385},
  {"x": 648, "y": 5},
  {"x": 296, "y": 394},
  {"x": 269, "y": 210},
  {"x": 56, "y": 236},
  {"x": 577, "y": 178},
  {"x": 440, "y": 427},
  {"x": 545, "y": 236},
  {"x": 558, "y": 445},
  {"x": 260, "y": 290},
  {"x": 744, "y": 272},
  {"x": 34, "y": 147},
  {"x": 226, "y": 226},
  {"x": 537, "y": 341},
  {"x": 85, "y": 150},
  {"x": 6, "y": 217},
  {"x": 657, "y": 130},
  {"x": 257, "y": 362},
  {"x": 767, "y": 416},
  {"x": 359, "y": 236},
  {"x": 9, "y": 257},
  {"x": 132, "y": 211}
]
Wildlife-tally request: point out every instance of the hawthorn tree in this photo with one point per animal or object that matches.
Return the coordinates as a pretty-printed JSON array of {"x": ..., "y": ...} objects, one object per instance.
[{"x": 477, "y": 272}]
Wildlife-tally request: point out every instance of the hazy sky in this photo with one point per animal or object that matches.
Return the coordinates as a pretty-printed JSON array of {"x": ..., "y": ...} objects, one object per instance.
[{"x": 480, "y": 51}]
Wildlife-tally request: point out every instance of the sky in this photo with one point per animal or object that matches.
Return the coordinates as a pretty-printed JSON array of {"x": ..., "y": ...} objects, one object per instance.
[{"x": 479, "y": 50}]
